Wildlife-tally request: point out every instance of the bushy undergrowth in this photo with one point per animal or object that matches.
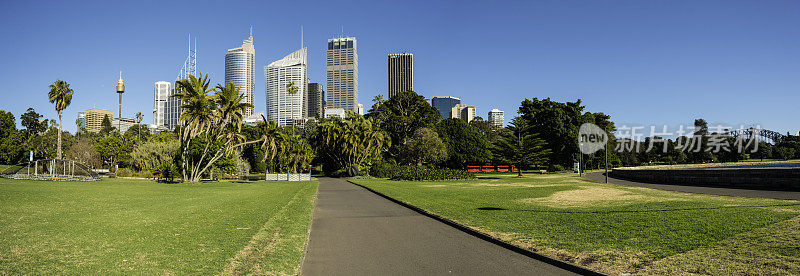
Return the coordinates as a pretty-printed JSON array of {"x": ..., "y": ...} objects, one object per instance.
[{"x": 394, "y": 172}]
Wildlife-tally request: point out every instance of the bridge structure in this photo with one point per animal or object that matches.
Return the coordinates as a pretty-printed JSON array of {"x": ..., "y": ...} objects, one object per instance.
[{"x": 762, "y": 134}]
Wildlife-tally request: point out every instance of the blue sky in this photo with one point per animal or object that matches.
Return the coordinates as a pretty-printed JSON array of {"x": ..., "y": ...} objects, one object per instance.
[{"x": 643, "y": 62}]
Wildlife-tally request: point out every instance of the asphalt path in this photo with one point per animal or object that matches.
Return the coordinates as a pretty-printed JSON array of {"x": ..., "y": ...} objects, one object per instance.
[
  {"x": 356, "y": 232},
  {"x": 711, "y": 190}
]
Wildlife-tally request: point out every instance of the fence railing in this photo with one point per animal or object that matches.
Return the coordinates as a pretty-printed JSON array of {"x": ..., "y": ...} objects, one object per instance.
[{"x": 287, "y": 176}]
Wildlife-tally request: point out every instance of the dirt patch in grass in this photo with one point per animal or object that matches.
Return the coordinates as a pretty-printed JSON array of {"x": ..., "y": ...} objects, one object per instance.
[
  {"x": 596, "y": 196},
  {"x": 530, "y": 185},
  {"x": 434, "y": 186},
  {"x": 770, "y": 250}
]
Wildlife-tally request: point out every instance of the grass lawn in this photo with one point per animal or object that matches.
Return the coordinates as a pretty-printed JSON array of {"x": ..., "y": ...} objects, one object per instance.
[
  {"x": 137, "y": 226},
  {"x": 617, "y": 229}
]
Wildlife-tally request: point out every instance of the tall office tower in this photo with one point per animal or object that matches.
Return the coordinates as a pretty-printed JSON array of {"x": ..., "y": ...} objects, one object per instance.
[
  {"x": 401, "y": 73},
  {"x": 315, "y": 96},
  {"x": 174, "y": 109},
  {"x": 464, "y": 112},
  {"x": 94, "y": 118},
  {"x": 444, "y": 104},
  {"x": 342, "y": 73},
  {"x": 81, "y": 121},
  {"x": 283, "y": 107},
  {"x": 496, "y": 117},
  {"x": 160, "y": 98},
  {"x": 240, "y": 64}
]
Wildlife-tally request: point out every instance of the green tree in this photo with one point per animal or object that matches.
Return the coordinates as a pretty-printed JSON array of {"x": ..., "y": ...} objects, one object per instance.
[
  {"x": 215, "y": 119},
  {"x": 110, "y": 148},
  {"x": 401, "y": 116},
  {"x": 557, "y": 123},
  {"x": 349, "y": 143},
  {"x": 424, "y": 147},
  {"x": 61, "y": 95},
  {"x": 151, "y": 154},
  {"x": 83, "y": 151},
  {"x": 11, "y": 140},
  {"x": 465, "y": 145},
  {"x": 105, "y": 125},
  {"x": 521, "y": 147},
  {"x": 31, "y": 121}
]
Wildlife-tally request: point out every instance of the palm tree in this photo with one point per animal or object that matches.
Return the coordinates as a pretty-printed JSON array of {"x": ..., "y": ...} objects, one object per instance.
[
  {"x": 139, "y": 118},
  {"x": 61, "y": 95},
  {"x": 292, "y": 90},
  {"x": 270, "y": 137},
  {"x": 197, "y": 114}
]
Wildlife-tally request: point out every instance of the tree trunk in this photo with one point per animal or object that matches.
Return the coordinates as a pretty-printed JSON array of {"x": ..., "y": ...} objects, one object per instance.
[{"x": 58, "y": 150}]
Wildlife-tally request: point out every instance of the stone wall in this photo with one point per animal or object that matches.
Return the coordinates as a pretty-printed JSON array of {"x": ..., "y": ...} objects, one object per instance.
[{"x": 752, "y": 178}]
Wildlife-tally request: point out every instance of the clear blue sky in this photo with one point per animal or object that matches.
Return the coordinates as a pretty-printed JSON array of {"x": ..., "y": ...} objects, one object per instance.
[{"x": 643, "y": 62}]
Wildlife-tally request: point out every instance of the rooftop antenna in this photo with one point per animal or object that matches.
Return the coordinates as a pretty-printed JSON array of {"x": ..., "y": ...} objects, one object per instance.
[
  {"x": 301, "y": 36},
  {"x": 251, "y": 31}
]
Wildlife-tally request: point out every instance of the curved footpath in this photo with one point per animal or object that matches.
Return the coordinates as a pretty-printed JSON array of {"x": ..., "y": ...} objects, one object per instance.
[
  {"x": 711, "y": 190},
  {"x": 356, "y": 232}
]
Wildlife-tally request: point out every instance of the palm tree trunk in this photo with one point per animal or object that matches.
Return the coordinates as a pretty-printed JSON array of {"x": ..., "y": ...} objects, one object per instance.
[{"x": 58, "y": 150}]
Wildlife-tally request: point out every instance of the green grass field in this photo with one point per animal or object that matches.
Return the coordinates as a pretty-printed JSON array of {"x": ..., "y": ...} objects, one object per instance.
[
  {"x": 617, "y": 229},
  {"x": 136, "y": 226}
]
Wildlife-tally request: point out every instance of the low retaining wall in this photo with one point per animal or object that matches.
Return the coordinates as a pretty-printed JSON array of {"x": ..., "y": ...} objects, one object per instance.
[{"x": 753, "y": 178}]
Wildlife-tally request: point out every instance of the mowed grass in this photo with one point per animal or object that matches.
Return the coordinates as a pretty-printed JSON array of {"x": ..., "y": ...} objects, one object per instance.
[
  {"x": 138, "y": 226},
  {"x": 616, "y": 229}
]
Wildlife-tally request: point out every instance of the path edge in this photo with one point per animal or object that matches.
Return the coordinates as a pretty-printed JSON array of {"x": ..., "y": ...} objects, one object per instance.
[{"x": 558, "y": 263}]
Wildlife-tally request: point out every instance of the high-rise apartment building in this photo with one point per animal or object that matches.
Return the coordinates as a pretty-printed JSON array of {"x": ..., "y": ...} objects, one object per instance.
[
  {"x": 444, "y": 104},
  {"x": 160, "y": 100},
  {"x": 94, "y": 118},
  {"x": 283, "y": 107},
  {"x": 314, "y": 101},
  {"x": 401, "y": 73},
  {"x": 342, "y": 73},
  {"x": 464, "y": 112},
  {"x": 496, "y": 117},
  {"x": 240, "y": 64}
]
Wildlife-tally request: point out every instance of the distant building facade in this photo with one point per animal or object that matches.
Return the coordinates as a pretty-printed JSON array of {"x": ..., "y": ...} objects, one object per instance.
[
  {"x": 160, "y": 102},
  {"x": 314, "y": 100},
  {"x": 283, "y": 107},
  {"x": 123, "y": 124},
  {"x": 335, "y": 112},
  {"x": 81, "y": 122},
  {"x": 94, "y": 118},
  {"x": 342, "y": 73},
  {"x": 444, "y": 104},
  {"x": 401, "y": 73},
  {"x": 464, "y": 112},
  {"x": 496, "y": 117},
  {"x": 240, "y": 65}
]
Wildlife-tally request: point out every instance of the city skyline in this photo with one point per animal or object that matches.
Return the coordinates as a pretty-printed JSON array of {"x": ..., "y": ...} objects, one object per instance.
[{"x": 701, "y": 63}]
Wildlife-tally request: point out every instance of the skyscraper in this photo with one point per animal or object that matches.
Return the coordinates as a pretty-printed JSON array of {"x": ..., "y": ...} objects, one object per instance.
[
  {"x": 174, "y": 109},
  {"x": 160, "y": 99},
  {"x": 94, "y": 118},
  {"x": 314, "y": 103},
  {"x": 401, "y": 73},
  {"x": 81, "y": 122},
  {"x": 283, "y": 107},
  {"x": 496, "y": 117},
  {"x": 464, "y": 112},
  {"x": 342, "y": 73},
  {"x": 240, "y": 64},
  {"x": 444, "y": 104}
]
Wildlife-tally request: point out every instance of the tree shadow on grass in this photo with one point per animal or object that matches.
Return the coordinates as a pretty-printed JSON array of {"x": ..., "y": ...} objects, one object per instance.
[{"x": 635, "y": 211}]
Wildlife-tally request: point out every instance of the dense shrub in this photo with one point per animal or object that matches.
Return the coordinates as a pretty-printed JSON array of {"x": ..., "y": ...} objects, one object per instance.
[
  {"x": 384, "y": 170},
  {"x": 423, "y": 174},
  {"x": 168, "y": 171}
]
